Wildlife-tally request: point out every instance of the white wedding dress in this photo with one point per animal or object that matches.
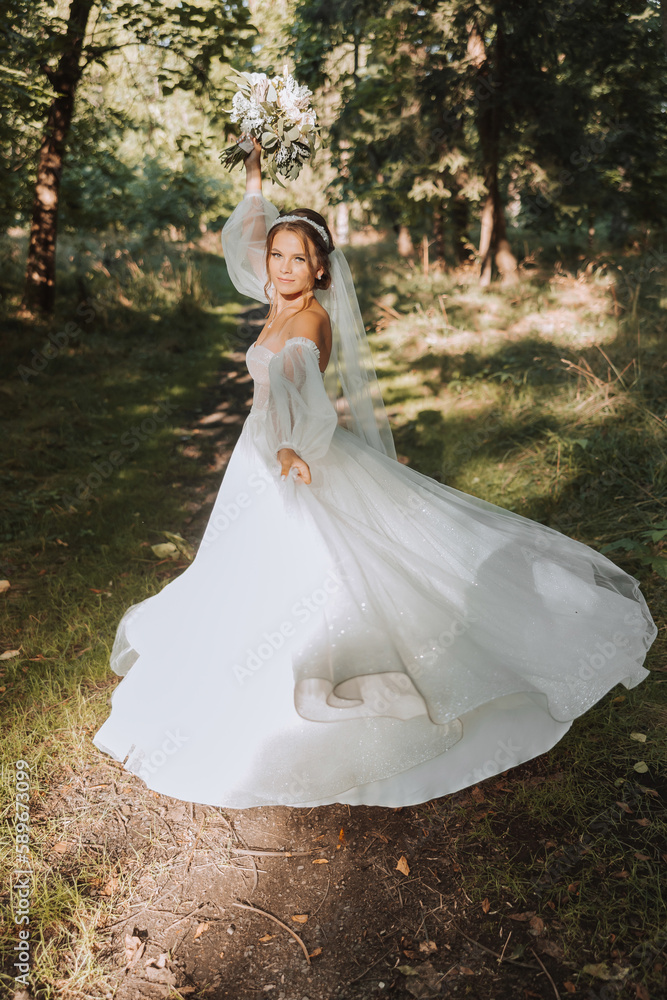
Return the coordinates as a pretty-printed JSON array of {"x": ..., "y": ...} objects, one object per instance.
[{"x": 374, "y": 637}]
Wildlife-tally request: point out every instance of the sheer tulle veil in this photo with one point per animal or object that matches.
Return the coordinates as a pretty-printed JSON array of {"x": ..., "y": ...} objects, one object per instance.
[{"x": 350, "y": 379}]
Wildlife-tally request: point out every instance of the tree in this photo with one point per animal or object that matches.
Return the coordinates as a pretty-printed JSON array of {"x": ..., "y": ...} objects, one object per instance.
[
  {"x": 190, "y": 37},
  {"x": 456, "y": 101}
]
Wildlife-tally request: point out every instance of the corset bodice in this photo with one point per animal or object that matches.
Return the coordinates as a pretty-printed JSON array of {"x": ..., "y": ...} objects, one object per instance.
[{"x": 257, "y": 360}]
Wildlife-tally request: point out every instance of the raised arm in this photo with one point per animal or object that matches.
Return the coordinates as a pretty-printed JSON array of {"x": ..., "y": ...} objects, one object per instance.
[
  {"x": 253, "y": 169},
  {"x": 244, "y": 234}
]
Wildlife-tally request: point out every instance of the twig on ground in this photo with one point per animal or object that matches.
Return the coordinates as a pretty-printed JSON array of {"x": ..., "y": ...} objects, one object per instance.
[
  {"x": 553, "y": 985},
  {"x": 522, "y": 965},
  {"x": 274, "y": 854},
  {"x": 324, "y": 896},
  {"x": 361, "y": 976},
  {"x": 256, "y": 909},
  {"x": 194, "y": 846}
]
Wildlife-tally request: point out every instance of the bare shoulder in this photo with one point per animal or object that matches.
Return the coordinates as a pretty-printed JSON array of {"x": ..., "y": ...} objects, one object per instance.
[{"x": 313, "y": 323}]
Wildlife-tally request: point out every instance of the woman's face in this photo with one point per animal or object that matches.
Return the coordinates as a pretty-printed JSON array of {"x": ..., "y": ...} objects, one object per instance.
[{"x": 288, "y": 265}]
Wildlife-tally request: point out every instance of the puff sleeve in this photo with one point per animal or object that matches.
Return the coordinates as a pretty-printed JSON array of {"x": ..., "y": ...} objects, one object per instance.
[
  {"x": 244, "y": 244},
  {"x": 300, "y": 414}
]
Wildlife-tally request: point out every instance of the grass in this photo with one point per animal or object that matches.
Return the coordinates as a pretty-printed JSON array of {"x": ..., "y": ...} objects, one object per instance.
[
  {"x": 549, "y": 398},
  {"x": 98, "y": 464},
  {"x": 546, "y": 397}
]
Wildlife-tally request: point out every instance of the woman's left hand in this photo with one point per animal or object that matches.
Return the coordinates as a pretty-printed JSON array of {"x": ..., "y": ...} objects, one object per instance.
[{"x": 289, "y": 460}]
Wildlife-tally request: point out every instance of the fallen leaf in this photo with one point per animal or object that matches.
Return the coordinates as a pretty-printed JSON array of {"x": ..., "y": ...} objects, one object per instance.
[
  {"x": 570, "y": 987},
  {"x": 641, "y": 993},
  {"x": 320, "y": 861},
  {"x": 134, "y": 949},
  {"x": 159, "y": 962},
  {"x": 181, "y": 544},
  {"x": 165, "y": 550},
  {"x": 201, "y": 929},
  {"x": 642, "y": 857},
  {"x": 10, "y": 654},
  {"x": 536, "y": 926},
  {"x": 110, "y": 886},
  {"x": 477, "y": 794},
  {"x": 486, "y": 905},
  {"x": 643, "y": 822},
  {"x": 640, "y": 737},
  {"x": 314, "y": 954},
  {"x": 551, "y": 948},
  {"x": 617, "y": 701},
  {"x": 403, "y": 867},
  {"x": 4, "y": 585},
  {"x": 609, "y": 973},
  {"x": 465, "y": 971},
  {"x": 60, "y": 848},
  {"x": 624, "y": 806},
  {"x": 407, "y": 970},
  {"x": 641, "y": 767},
  {"x": 300, "y": 918},
  {"x": 522, "y": 916},
  {"x": 428, "y": 947}
]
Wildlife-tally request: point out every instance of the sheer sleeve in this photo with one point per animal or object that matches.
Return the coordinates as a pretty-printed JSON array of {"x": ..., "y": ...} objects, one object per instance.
[
  {"x": 300, "y": 414},
  {"x": 244, "y": 244}
]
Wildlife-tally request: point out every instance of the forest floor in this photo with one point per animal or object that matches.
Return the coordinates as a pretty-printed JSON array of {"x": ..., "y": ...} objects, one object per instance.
[{"x": 544, "y": 881}]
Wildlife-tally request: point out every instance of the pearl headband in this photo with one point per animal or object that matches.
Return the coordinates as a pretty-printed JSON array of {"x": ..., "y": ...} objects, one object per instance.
[{"x": 303, "y": 218}]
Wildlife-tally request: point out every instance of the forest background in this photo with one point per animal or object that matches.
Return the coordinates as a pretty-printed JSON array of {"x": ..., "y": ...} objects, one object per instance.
[{"x": 495, "y": 173}]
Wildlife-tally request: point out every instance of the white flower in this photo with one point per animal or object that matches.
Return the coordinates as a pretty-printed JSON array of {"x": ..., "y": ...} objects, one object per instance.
[{"x": 265, "y": 103}]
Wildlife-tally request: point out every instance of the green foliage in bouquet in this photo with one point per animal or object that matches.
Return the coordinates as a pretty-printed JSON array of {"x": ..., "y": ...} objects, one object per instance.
[{"x": 277, "y": 112}]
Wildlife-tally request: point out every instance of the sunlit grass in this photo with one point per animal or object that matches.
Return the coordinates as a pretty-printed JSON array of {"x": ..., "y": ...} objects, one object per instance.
[
  {"x": 550, "y": 400},
  {"x": 480, "y": 398}
]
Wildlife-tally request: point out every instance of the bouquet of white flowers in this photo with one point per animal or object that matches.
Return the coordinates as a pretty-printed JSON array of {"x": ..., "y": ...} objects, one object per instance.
[{"x": 278, "y": 113}]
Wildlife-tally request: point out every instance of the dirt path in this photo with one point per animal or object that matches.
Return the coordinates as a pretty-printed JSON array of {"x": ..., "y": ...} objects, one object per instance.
[{"x": 292, "y": 904}]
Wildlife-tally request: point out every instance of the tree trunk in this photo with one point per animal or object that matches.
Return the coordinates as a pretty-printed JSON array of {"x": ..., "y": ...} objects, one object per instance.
[
  {"x": 342, "y": 223},
  {"x": 39, "y": 292},
  {"x": 493, "y": 245},
  {"x": 405, "y": 244},
  {"x": 460, "y": 223},
  {"x": 439, "y": 236}
]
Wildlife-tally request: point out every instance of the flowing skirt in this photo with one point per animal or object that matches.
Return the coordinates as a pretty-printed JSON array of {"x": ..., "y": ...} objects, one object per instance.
[{"x": 372, "y": 638}]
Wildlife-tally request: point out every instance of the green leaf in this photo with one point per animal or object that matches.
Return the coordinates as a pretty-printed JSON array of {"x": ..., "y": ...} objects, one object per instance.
[{"x": 623, "y": 543}]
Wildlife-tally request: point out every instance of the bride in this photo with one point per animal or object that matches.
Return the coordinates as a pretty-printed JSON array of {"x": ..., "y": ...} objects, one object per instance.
[{"x": 351, "y": 630}]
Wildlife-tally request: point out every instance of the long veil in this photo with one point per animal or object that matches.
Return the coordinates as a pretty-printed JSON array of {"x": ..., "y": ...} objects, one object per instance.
[{"x": 358, "y": 400}]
